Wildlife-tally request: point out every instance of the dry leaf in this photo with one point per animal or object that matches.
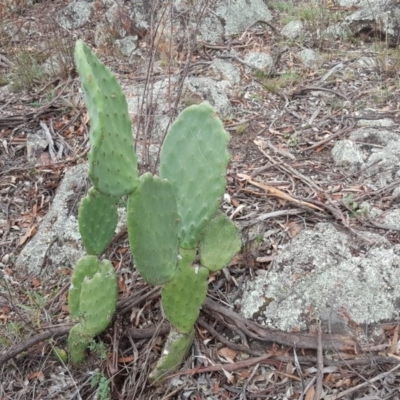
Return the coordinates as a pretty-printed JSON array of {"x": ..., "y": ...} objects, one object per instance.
[
  {"x": 35, "y": 282},
  {"x": 29, "y": 232},
  {"x": 36, "y": 375},
  {"x": 395, "y": 340},
  {"x": 265, "y": 259},
  {"x": 294, "y": 229},
  {"x": 230, "y": 377},
  {"x": 126, "y": 360},
  {"x": 310, "y": 393},
  {"x": 228, "y": 354}
]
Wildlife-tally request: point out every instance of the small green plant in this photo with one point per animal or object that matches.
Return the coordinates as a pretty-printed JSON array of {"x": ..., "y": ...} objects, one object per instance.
[
  {"x": 26, "y": 70},
  {"x": 294, "y": 141},
  {"x": 354, "y": 206},
  {"x": 100, "y": 381},
  {"x": 99, "y": 348},
  {"x": 175, "y": 232},
  {"x": 283, "y": 81},
  {"x": 240, "y": 128},
  {"x": 282, "y": 6}
]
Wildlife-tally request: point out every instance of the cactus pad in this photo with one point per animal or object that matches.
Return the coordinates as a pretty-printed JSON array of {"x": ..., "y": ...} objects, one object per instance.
[
  {"x": 85, "y": 268},
  {"x": 220, "y": 242},
  {"x": 78, "y": 342},
  {"x": 98, "y": 218},
  {"x": 152, "y": 228},
  {"x": 194, "y": 158},
  {"x": 112, "y": 160},
  {"x": 175, "y": 349},
  {"x": 183, "y": 296},
  {"x": 98, "y": 301}
]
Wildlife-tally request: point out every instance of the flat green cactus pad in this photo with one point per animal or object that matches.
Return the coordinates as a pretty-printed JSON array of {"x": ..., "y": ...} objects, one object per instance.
[
  {"x": 98, "y": 218},
  {"x": 220, "y": 242},
  {"x": 194, "y": 157},
  {"x": 99, "y": 299},
  {"x": 112, "y": 160},
  {"x": 153, "y": 229},
  {"x": 175, "y": 350},
  {"x": 85, "y": 268},
  {"x": 78, "y": 342},
  {"x": 98, "y": 293},
  {"x": 183, "y": 296}
]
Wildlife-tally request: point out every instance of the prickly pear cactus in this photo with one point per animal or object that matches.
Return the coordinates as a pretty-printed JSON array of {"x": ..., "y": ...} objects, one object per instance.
[
  {"x": 97, "y": 303},
  {"x": 194, "y": 158},
  {"x": 220, "y": 242},
  {"x": 152, "y": 228},
  {"x": 183, "y": 296},
  {"x": 98, "y": 218},
  {"x": 112, "y": 160},
  {"x": 175, "y": 349}
]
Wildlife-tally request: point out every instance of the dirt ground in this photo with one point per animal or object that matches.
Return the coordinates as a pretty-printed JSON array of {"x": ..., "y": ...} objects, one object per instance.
[{"x": 297, "y": 117}]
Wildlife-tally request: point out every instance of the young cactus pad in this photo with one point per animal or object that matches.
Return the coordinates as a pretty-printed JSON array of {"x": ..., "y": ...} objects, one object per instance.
[
  {"x": 112, "y": 160},
  {"x": 98, "y": 301},
  {"x": 153, "y": 229},
  {"x": 85, "y": 268},
  {"x": 98, "y": 218},
  {"x": 220, "y": 242},
  {"x": 175, "y": 349},
  {"x": 183, "y": 296},
  {"x": 194, "y": 158}
]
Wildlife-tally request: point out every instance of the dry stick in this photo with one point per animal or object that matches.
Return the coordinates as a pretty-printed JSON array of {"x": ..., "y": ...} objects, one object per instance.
[
  {"x": 332, "y": 208},
  {"x": 58, "y": 331},
  {"x": 361, "y": 385},
  {"x": 298, "y": 340},
  {"x": 227, "y": 367},
  {"x": 271, "y": 191},
  {"x": 300, "y": 91},
  {"x": 320, "y": 367},
  {"x": 329, "y": 138},
  {"x": 227, "y": 342}
]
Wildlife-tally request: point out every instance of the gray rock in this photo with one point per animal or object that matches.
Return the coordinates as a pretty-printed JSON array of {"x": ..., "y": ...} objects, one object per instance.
[
  {"x": 309, "y": 58},
  {"x": 227, "y": 70},
  {"x": 384, "y": 122},
  {"x": 380, "y": 17},
  {"x": 374, "y": 136},
  {"x": 335, "y": 31},
  {"x": 346, "y": 153},
  {"x": 261, "y": 61},
  {"x": 57, "y": 243},
  {"x": 100, "y": 35},
  {"x": 213, "y": 92},
  {"x": 316, "y": 276},
  {"x": 58, "y": 64},
  {"x": 396, "y": 192},
  {"x": 75, "y": 15},
  {"x": 36, "y": 143},
  {"x": 383, "y": 163},
  {"x": 127, "y": 45},
  {"x": 238, "y": 15},
  {"x": 392, "y": 217},
  {"x": 292, "y": 30},
  {"x": 211, "y": 29}
]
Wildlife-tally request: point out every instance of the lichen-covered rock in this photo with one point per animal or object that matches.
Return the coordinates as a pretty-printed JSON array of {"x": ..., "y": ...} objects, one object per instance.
[{"x": 326, "y": 274}]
